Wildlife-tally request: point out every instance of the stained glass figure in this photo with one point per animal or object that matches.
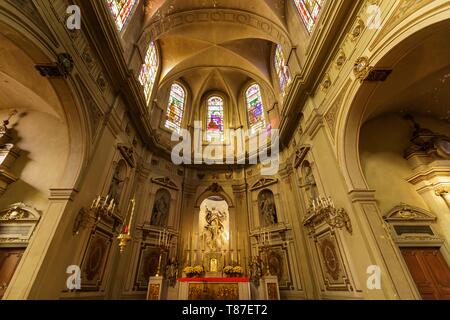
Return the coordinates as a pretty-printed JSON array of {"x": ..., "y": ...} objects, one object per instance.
[
  {"x": 215, "y": 123},
  {"x": 149, "y": 71},
  {"x": 309, "y": 11},
  {"x": 284, "y": 76},
  {"x": 255, "y": 109},
  {"x": 121, "y": 10},
  {"x": 177, "y": 100}
]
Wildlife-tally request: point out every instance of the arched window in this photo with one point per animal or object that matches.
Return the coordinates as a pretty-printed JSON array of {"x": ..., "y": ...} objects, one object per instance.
[
  {"x": 175, "y": 110},
  {"x": 309, "y": 11},
  {"x": 215, "y": 120},
  {"x": 255, "y": 109},
  {"x": 121, "y": 10},
  {"x": 149, "y": 71},
  {"x": 284, "y": 76}
]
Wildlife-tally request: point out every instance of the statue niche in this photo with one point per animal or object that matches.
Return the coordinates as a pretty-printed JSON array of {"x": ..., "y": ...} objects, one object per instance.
[
  {"x": 267, "y": 208},
  {"x": 160, "y": 212},
  {"x": 118, "y": 181},
  {"x": 309, "y": 183}
]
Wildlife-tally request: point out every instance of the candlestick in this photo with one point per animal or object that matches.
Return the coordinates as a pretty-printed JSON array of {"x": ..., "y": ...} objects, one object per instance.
[
  {"x": 106, "y": 200},
  {"x": 131, "y": 217}
]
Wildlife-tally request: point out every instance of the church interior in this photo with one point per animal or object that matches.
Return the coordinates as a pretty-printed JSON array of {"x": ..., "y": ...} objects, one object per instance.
[{"x": 225, "y": 150}]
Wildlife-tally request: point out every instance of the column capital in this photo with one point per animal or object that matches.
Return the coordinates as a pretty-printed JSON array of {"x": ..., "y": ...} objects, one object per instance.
[
  {"x": 361, "y": 195},
  {"x": 63, "y": 194}
]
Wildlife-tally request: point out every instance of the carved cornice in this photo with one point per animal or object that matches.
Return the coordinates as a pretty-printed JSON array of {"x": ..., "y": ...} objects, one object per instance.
[
  {"x": 165, "y": 182},
  {"x": 362, "y": 195},
  {"x": 404, "y": 212},
  {"x": 300, "y": 155},
  {"x": 186, "y": 19},
  {"x": 63, "y": 194},
  {"x": 263, "y": 183}
]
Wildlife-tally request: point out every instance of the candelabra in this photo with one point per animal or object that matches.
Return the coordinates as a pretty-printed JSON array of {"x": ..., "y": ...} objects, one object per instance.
[
  {"x": 163, "y": 243},
  {"x": 324, "y": 209},
  {"x": 264, "y": 241},
  {"x": 125, "y": 236},
  {"x": 103, "y": 207}
]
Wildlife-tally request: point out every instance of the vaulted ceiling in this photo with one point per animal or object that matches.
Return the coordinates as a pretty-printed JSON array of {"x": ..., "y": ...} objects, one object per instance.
[{"x": 216, "y": 51}]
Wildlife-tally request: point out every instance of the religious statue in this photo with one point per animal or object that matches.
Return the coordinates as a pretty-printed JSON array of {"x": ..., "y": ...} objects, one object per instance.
[
  {"x": 267, "y": 208},
  {"x": 172, "y": 272},
  {"x": 160, "y": 208},
  {"x": 115, "y": 190},
  {"x": 214, "y": 227},
  {"x": 255, "y": 271},
  {"x": 213, "y": 265},
  {"x": 310, "y": 183},
  {"x": 5, "y": 136}
]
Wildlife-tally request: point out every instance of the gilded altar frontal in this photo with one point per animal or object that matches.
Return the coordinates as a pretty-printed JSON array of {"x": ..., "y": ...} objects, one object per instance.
[{"x": 224, "y": 150}]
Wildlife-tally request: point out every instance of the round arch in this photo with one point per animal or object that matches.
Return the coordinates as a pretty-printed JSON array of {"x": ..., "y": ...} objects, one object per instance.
[
  {"x": 388, "y": 53},
  {"x": 208, "y": 193},
  {"x": 72, "y": 106}
]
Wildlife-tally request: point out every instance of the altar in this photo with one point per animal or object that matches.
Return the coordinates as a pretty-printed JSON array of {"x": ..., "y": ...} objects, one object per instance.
[{"x": 214, "y": 289}]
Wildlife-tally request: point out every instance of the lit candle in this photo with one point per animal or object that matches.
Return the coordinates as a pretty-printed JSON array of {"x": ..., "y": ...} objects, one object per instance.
[
  {"x": 131, "y": 217},
  {"x": 106, "y": 200}
]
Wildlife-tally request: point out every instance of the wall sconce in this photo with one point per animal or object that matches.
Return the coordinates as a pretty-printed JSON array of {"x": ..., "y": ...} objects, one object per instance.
[{"x": 444, "y": 192}]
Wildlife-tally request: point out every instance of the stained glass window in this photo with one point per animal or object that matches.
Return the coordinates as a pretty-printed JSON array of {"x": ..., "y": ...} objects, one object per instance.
[
  {"x": 309, "y": 11},
  {"x": 175, "y": 109},
  {"x": 121, "y": 10},
  {"x": 255, "y": 109},
  {"x": 282, "y": 69},
  {"x": 149, "y": 70},
  {"x": 214, "y": 128}
]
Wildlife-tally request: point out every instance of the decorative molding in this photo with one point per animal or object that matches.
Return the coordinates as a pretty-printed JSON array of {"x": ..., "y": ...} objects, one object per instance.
[
  {"x": 62, "y": 68},
  {"x": 362, "y": 68},
  {"x": 362, "y": 195},
  {"x": 300, "y": 155},
  {"x": 165, "y": 182},
  {"x": 263, "y": 183},
  {"x": 19, "y": 221},
  {"x": 404, "y": 9},
  {"x": 407, "y": 213},
  {"x": 63, "y": 194},
  {"x": 331, "y": 116},
  {"x": 128, "y": 154},
  {"x": 28, "y": 8},
  {"x": 205, "y": 16},
  {"x": 358, "y": 29}
]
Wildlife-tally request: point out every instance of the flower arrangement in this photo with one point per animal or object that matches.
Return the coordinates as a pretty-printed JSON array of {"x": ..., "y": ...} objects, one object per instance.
[
  {"x": 233, "y": 271},
  {"x": 228, "y": 270},
  {"x": 188, "y": 271},
  {"x": 238, "y": 270},
  {"x": 193, "y": 271}
]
